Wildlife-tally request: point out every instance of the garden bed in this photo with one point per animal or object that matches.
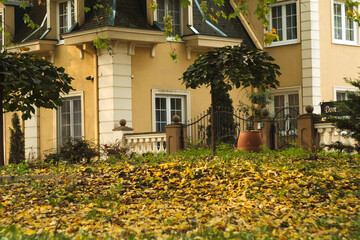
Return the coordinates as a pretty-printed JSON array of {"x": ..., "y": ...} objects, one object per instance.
[{"x": 234, "y": 195}]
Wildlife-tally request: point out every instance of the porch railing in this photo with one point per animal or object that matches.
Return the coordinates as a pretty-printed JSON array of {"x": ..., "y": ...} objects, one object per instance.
[
  {"x": 141, "y": 143},
  {"x": 329, "y": 134}
]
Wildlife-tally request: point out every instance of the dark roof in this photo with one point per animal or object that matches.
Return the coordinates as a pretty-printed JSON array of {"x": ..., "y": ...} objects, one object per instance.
[
  {"x": 129, "y": 14},
  {"x": 232, "y": 28},
  {"x": 22, "y": 31}
]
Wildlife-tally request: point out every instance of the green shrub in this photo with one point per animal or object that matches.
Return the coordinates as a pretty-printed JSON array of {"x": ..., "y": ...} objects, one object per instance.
[
  {"x": 114, "y": 149},
  {"x": 74, "y": 151},
  {"x": 17, "y": 141}
]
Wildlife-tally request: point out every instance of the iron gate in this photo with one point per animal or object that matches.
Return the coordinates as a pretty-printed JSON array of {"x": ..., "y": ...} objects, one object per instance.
[
  {"x": 228, "y": 125},
  {"x": 284, "y": 128}
]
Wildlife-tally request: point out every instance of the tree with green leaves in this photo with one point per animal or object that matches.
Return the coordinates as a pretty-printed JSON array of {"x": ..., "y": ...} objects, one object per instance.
[
  {"x": 351, "y": 109},
  {"x": 17, "y": 141},
  {"x": 228, "y": 67},
  {"x": 28, "y": 82}
]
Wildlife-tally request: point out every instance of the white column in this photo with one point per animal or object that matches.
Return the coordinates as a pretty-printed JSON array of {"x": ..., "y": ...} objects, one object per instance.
[
  {"x": 310, "y": 45},
  {"x": 114, "y": 91},
  {"x": 32, "y": 146}
]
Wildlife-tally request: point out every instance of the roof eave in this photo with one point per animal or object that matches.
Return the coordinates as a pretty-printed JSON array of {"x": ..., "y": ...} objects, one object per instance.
[{"x": 115, "y": 33}]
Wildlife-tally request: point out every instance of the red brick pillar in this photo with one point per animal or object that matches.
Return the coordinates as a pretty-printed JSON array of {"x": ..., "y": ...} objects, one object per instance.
[
  {"x": 264, "y": 125},
  {"x": 307, "y": 134},
  {"x": 174, "y": 136}
]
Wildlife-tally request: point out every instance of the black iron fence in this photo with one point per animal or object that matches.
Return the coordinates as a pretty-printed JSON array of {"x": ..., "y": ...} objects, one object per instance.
[{"x": 228, "y": 125}]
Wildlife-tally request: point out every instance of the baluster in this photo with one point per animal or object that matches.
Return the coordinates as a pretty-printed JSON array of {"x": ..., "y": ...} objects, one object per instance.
[
  {"x": 153, "y": 145},
  {"x": 338, "y": 135},
  {"x": 321, "y": 134},
  {"x": 129, "y": 143},
  {"x": 330, "y": 132},
  {"x": 146, "y": 144},
  {"x": 348, "y": 139},
  {"x": 161, "y": 140},
  {"x": 165, "y": 143},
  {"x": 142, "y": 145}
]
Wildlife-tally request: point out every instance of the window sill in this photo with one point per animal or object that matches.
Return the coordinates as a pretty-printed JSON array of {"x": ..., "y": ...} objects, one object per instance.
[
  {"x": 283, "y": 43},
  {"x": 353, "y": 44},
  {"x": 60, "y": 42},
  {"x": 172, "y": 39}
]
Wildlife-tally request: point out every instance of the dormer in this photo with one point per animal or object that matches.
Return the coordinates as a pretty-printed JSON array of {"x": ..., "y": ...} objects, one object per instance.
[
  {"x": 182, "y": 16},
  {"x": 63, "y": 16}
]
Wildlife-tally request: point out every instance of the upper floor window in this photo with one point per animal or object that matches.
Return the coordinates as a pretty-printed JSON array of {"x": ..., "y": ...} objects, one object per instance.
[
  {"x": 344, "y": 30},
  {"x": 173, "y": 8},
  {"x": 283, "y": 18},
  {"x": 66, "y": 16}
]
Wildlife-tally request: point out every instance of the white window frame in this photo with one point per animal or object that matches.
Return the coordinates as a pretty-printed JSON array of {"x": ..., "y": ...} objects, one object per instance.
[
  {"x": 170, "y": 93},
  {"x": 343, "y": 89},
  {"x": 181, "y": 20},
  {"x": 2, "y": 12},
  {"x": 286, "y": 91},
  {"x": 286, "y": 42},
  {"x": 343, "y": 22},
  {"x": 56, "y": 117},
  {"x": 69, "y": 22}
]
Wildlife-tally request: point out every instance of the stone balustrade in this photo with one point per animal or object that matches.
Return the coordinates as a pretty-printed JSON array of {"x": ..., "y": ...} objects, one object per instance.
[
  {"x": 329, "y": 134},
  {"x": 141, "y": 143}
]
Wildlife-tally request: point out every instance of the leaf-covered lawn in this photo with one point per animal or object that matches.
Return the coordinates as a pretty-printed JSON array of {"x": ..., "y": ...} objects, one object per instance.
[{"x": 232, "y": 196}]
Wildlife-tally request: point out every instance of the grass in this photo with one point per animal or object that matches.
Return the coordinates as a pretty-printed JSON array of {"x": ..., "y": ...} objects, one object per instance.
[{"x": 189, "y": 195}]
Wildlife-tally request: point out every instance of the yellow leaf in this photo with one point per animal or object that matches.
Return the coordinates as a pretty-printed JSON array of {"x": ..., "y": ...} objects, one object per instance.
[{"x": 30, "y": 232}]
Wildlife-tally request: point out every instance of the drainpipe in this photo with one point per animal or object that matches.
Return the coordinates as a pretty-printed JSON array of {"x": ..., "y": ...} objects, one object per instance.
[
  {"x": 96, "y": 94},
  {"x": 207, "y": 21}
]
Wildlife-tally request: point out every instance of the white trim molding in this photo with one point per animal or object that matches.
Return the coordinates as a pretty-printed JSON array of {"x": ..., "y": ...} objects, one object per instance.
[
  {"x": 114, "y": 84},
  {"x": 32, "y": 137},
  {"x": 310, "y": 51},
  {"x": 56, "y": 116},
  {"x": 179, "y": 93}
]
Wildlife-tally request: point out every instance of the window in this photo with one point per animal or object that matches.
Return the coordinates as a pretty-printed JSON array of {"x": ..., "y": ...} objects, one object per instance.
[
  {"x": 173, "y": 7},
  {"x": 165, "y": 108},
  {"x": 66, "y": 16},
  {"x": 283, "y": 18},
  {"x": 340, "y": 92},
  {"x": 70, "y": 119},
  {"x": 344, "y": 30},
  {"x": 167, "y": 103},
  {"x": 288, "y": 118}
]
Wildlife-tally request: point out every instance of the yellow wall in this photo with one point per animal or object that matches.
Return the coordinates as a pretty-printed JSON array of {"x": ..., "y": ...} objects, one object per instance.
[
  {"x": 288, "y": 57},
  {"x": 162, "y": 73},
  {"x": 337, "y": 61},
  {"x": 69, "y": 58}
]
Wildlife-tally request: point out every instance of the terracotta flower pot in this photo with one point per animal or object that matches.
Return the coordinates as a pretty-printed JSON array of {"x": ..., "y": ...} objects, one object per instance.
[{"x": 250, "y": 141}]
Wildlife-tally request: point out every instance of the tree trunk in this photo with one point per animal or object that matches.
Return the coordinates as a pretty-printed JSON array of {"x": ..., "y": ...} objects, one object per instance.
[
  {"x": 2, "y": 159},
  {"x": 213, "y": 140}
]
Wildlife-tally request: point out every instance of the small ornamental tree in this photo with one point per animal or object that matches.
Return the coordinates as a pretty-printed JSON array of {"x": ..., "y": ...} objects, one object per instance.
[
  {"x": 28, "y": 82},
  {"x": 17, "y": 141},
  {"x": 351, "y": 109},
  {"x": 228, "y": 67}
]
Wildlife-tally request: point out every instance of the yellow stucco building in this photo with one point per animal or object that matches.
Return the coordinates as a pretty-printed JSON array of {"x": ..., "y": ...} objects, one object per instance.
[{"x": 137, "y": 81}]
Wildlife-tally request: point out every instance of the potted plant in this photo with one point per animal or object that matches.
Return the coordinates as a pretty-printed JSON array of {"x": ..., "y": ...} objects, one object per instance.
[{"x": 251, "y": 140}]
